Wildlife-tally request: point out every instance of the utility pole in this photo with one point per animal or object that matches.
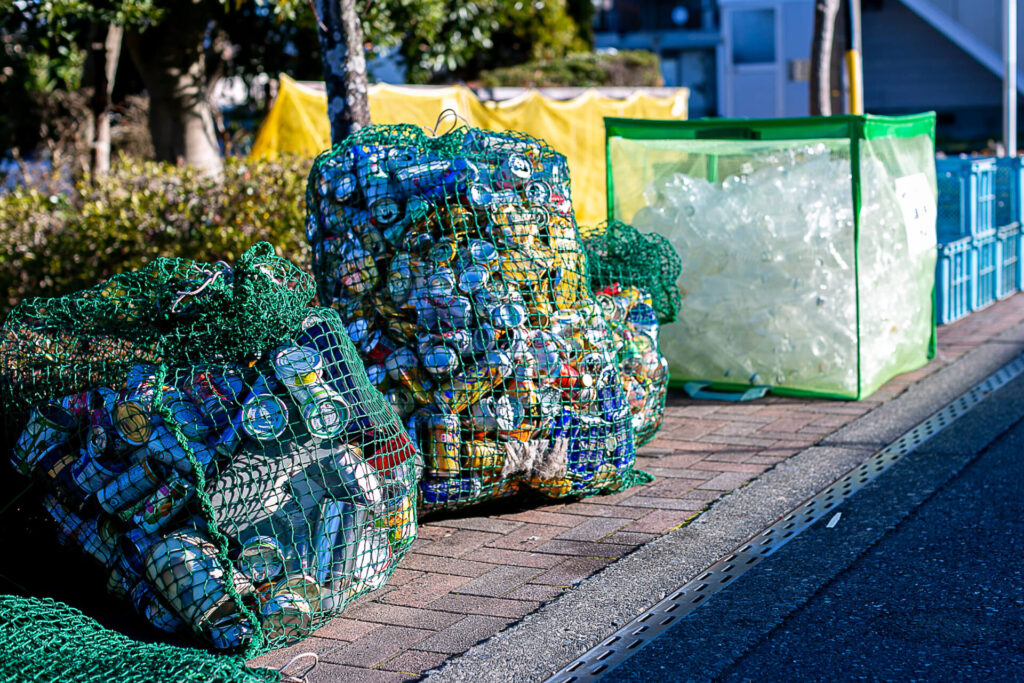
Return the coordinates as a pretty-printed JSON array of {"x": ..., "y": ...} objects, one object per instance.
[
  {"x": 854, "y": 63},
  {"x": 1010, "y": 77}
]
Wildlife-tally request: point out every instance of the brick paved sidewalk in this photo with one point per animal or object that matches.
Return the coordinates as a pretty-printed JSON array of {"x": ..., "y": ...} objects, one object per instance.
[{"x": 472, "y": 574}]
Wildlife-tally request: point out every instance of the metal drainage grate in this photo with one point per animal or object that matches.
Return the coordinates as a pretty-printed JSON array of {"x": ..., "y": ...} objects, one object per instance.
[{"x": 622, "y": 644}]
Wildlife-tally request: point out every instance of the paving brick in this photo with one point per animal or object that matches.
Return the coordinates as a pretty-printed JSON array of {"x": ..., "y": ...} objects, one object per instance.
[
  {"x": 596, "y": 528},
  {"x": 684, "y": 429},
  {"x": 499, "y": 581},
  {"x": 664, "y": 503},
  {"x": 670, "y": 488},
  {"x": 737, "y": 428},
  {"x": 326, "y": 672},
  {"x": 428, "y": 531},
  {"x": 445, "y": 565},
  {"x": 542, "y": 517},
  {"x": 458, "y": 542},
  {"x": 585, "y": 548},
  {"x": 739, "y": 440},
  {"x": 377, "y": 646},
  {"x": 399, "y": 615},
  {"x": 491, "y": 607},
  {"x": 729, "y": 455},
  {"x": 424, "y": 590},
  {"x": 514, "y": 557},
  {"x": 659, "y": 521},
  {"x": 586, "y": 508},
  {"x": 526, "y": 537},
  {"x": 415, "y": 662},
  {"x": 346, "y": 628},
  {"x": 280, "y": 657},
  {"x": 649, "y": 451},
  {"x": 572, "y": 571},
  {"x": 403, "y": 575},
  {"x": 535, "y": 593},
  {"x": 488, "y": 524},
  {"x": 463, "y": 634},
  {"x": 667, "y": 472},
  {"x": 727, "y": 481}
]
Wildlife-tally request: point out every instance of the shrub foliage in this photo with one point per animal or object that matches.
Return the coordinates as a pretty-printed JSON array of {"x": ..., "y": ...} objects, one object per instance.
[
  {"x": 56, "y": 240},
  {"x": 585, "y": 69}
]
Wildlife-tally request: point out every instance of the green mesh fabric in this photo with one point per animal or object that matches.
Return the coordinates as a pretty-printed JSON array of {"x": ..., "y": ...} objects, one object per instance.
[
  {"x": 213, "y": 442},
  {"x": 634, "y": 275},
  {"x": 45, "y": 640},
  {"x": 620, "y": 254},
  {"x": 456, "y": 264}
]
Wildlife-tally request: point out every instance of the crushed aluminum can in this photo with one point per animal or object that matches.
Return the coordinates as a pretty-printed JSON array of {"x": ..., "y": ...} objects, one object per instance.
[
  {"x": 286, "y": 617},
  {"x": 442, "y": 456},
  {"x": 230, "y": 633},
  {"x": 160, "y": 507},
  {"x": 473, "y": 279},
  {"x": 373, "y": 558},
  {"x": 483, "y": 455},
  {"x": 48, "y": 427},
  {"x": 440, "y": 360},
  {"x": 356, "y": 480},
  {"x": 331, "y": 521},
  {"x": 133, "y": 546},
  {"x": 261, "y": 558},
  {"x": 439, "y": 492},
  {"x": 148, "y": 604},
  {"x": 129, "y": 487},
  {"x": 91, "y": 473}
]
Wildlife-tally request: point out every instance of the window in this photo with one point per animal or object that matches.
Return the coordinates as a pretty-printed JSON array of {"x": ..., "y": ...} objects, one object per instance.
[{"x": 753, "y": 36}]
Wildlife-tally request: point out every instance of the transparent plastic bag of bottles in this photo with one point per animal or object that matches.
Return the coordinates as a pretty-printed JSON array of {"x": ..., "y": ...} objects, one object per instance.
[
  {"x": 456, "y": 264},
  {"x": 214, "y": 442}
]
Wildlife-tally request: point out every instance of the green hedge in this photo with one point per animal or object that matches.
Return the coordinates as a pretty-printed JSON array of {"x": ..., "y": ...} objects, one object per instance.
[
  {"x": 585, "y": 69},
  {"x": 56, "y": 242}
]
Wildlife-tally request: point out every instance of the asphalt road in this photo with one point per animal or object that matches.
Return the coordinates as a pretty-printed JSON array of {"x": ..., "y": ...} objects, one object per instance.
[{"x": 921, "y": 578}]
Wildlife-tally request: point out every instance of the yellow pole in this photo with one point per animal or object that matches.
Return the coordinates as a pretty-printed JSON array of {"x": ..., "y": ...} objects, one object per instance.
[{"x": 853, "y": 72}]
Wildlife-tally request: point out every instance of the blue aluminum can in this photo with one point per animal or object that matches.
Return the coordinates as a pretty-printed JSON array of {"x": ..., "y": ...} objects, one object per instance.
[
  {"x": 91, "y": 473},
  {"x": 129, "y": 487},
  {"x": 443, "y": 491},
  {"x": 262, "y": 559}
]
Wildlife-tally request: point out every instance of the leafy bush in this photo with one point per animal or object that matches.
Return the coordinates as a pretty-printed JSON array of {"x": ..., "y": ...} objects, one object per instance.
[
  {"x": 54, "y": 242},
  {"x": 585, "y": 69}
]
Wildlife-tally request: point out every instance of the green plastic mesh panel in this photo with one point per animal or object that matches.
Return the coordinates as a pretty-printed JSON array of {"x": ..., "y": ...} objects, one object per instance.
[
  {"x": 214, "y": 442},
  {"x": 45, "y": 640},
  {"x": 620, "y": 254},
  {"x": 456, "y": 264}
]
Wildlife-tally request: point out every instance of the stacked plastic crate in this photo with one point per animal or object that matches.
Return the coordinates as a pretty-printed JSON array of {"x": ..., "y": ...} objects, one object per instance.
[{"x": 979, "y": 233}]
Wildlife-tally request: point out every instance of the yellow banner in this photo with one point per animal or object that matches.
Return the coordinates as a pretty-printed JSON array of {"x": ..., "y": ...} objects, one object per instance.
[{"x": 297, "y": 123}]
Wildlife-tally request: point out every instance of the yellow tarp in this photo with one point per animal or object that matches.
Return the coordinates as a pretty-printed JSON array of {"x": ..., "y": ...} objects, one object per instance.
[{"x": 297, "y": 123}]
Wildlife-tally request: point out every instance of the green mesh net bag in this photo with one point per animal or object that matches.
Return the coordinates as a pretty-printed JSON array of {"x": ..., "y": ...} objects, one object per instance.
[
  {"x": 214, "y": 442},
  {"x": 456, "y": 264},
  {"x": 45, "y": 640},
  {"x": 634, "y": 276},
  {"x": 619, "y": 254}
]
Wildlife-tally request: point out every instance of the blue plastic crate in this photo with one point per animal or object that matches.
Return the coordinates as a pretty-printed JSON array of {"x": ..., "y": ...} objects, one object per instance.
[
  {"x": 966, "y": 205},
  {"x": 954, "y": 280},
  {"x": 1010, "y": 259},
  {"x": 988, "y": 272},
  {"x": 1009, "y": 177}
]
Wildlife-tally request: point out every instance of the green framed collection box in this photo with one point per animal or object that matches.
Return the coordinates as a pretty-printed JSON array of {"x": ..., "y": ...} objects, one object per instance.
[{"x": 808, "y": 245}]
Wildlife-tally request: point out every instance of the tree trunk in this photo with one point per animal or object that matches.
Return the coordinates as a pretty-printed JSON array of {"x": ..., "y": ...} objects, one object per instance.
[
  {"x": 825, "y": 12},
  {"x": 105, "y": 56},
  {"x": 171, "y": 62},
  {"x": 344, "y": 60}
]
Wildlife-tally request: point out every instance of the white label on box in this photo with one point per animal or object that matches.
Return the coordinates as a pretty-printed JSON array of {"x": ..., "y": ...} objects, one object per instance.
[{"x": 917, "y": 201}]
